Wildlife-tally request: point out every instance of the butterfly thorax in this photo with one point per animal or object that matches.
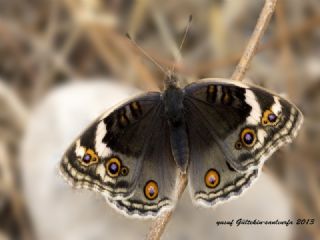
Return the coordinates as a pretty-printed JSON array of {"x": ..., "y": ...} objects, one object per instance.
[{"x": 173, "y": 103}]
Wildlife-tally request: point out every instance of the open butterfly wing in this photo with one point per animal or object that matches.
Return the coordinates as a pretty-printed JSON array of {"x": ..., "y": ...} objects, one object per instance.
[
  {"x": 120, "y": 153},
  {"x": 232, "y": 129}
]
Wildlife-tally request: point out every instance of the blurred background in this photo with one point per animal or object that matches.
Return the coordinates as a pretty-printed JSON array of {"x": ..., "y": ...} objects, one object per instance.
[{"x": 62, "y": 62}]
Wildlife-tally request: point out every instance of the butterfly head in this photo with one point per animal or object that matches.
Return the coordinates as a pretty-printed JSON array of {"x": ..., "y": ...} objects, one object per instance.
[{"x": 171, "y": 80}]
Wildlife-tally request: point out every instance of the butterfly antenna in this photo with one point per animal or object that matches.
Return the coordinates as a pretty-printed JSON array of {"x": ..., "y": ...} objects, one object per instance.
[
  {"x": 145, "y": 53},
  {"x": 183, "y": 39}
]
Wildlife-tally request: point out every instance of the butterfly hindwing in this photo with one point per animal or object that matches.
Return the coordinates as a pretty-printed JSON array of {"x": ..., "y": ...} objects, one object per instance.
[
  {"x": 155, "y": 191},
  {"x": 211, "y": 178},
  {"x": 248, "y": 123}
]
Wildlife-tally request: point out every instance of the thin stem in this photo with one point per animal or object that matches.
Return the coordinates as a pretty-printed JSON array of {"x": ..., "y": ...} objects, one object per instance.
[
  {"x": 160, "y": 223},
  {"x": 286, "y": 55},
  {"x": 253, "y": 43},
  {"x": 158, "y": 226}
]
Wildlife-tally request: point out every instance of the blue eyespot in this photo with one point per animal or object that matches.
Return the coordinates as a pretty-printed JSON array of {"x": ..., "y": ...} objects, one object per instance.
[
  {"x": 89, "y": 158},
  {"x": 248, "y": 137},
  {"x": 113, "y": 167},
  {"x": 86, "y": 158},
  {"x": 269, "y": 118},
  {"x": 151, "y": 190},
  {"x": 212, "y": 178},
  {"x": 272, "y": 117}
]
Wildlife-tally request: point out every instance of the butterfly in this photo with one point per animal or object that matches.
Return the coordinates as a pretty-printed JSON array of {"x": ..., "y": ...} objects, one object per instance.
[{"x": 217, "y": 131}]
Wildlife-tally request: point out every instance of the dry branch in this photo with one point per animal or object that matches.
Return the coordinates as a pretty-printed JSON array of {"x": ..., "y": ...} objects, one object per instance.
[
  {"x": 158, "y": 226},
  {"x": 160, "y": 223},
  {"x": 203, "y": 67},
  {"x": 286, "y": 55},
  {"x": 258, "y": 32}
]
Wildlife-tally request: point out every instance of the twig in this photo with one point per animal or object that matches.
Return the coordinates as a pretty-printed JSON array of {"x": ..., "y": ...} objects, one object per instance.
[
  {"x": 14, "y": 104},
  {"x": 9, "y": 187},
  {"x": 286, "y": 55},
  {"x": 204, "y": 67},
  {"x": 159, "y": 224},
  {"x": 258, "y": 32},
  {"x": 137, "y": 16}
]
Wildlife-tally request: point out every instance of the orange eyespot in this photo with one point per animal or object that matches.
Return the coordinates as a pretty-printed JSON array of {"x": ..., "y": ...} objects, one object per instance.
[
  {"x": 124, "y": 171},
  {"x": 151, "y": 190},
  {"x": 89, "y": 157},
  {"x": 238, "y": 145},
  {"x": 269, "y": 118},
  {"x": 113, "y": 167},
  {"x": 212, "y": 178},
  {"x": 248, "y": 137}
]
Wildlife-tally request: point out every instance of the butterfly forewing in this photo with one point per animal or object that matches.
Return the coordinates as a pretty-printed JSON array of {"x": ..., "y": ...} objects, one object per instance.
[{"x": 248, "y": 123}]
